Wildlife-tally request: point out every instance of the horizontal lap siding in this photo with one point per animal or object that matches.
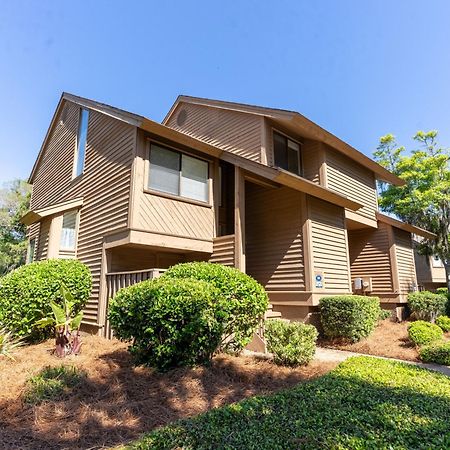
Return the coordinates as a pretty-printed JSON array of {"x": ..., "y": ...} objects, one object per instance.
[
  {"x": 329, "y": 244},
  {"x": 369, "y": 257},
  {"x": 311, "y": 160},
  {"x": 104, "y": 186},
  {"x": 233, "y": 131},
  {"x": 405, "y": 260},
  {"x": 42, "y": 241},
  {"x": 352, "y": 180},
  {"x": 223, "y": 250},
  {"x": 273, "y": 235},
  {"x": 164, "y": 215}
]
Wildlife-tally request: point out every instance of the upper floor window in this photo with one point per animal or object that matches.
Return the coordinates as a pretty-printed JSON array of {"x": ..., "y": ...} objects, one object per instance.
[
  {"x": 31, "y": 250},
  {"x": 178, "y": 174},
  {"x": 286, "y": 153},
  {"x": 81, "y": 142},
  {"x": 68, "y": 231}
]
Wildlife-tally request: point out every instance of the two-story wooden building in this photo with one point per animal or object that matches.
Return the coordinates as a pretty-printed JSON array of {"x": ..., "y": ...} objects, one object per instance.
[{"x": 260, "y": 189}]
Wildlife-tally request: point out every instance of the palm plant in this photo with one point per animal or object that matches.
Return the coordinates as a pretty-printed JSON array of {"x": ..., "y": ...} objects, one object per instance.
[
  {"x": 8, "y": 343},
  {"x": 67, "y": 324}
]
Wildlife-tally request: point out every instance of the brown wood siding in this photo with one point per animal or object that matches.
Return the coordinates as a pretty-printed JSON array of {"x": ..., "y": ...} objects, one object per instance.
[
  {"x": 352, "y": 180},
  {"x": 312, "y": 160},
  {"x": 274, "y": 242},
  {"x": 104, "y": 185},
  {"x": 42, "y": 241},
  {"x": 33, "y": 233},
  {"x": 233, "y": 131},
  {"x": 223, "y": 250},
  {"x": 405, "y": 260},
  {"x": 329, "y": 244},
  {"x": 369, "y": 257},
  {"x": 168, "y": 216}
]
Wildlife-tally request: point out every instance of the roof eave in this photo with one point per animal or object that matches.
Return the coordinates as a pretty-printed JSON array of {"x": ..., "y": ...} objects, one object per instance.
[{"x": 405, "y": 226}]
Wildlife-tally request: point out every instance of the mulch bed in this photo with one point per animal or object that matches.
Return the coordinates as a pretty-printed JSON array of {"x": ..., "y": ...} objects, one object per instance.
[
  {"x": 118, "y": 401},
  {"x": 389, "y": 339}
]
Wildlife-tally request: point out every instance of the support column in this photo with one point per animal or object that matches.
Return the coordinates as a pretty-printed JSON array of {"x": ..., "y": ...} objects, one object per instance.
[{"x": 239, "y": 219}]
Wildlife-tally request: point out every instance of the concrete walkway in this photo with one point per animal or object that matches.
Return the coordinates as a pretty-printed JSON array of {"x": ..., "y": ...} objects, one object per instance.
[{"x": 332, "y": 355}]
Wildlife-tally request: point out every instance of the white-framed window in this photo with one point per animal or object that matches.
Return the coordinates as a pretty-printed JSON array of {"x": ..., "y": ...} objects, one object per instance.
[
  {"x": 436, "y": 261},
  {"x": 31, "y": 250},
  {"x": 80, "y": 152},
  {"x": 178, "y": 174},
  {"x": 69, "y": 231},
  {"x": 286, "y": 153}
]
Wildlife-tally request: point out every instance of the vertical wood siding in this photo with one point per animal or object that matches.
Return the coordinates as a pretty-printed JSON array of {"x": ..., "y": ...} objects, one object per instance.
[
  {"x": 405, "y": 260},
  {"x": 223, "y": 250},
  {"x": 369, "y": 257},
  {"x": 104, "y": 185},
  {"x": 233, "y": 131},
  {"x": 352, "y": 180},
  {"x": 273, "y": 235},
  {"x": 329, "y": 244}
]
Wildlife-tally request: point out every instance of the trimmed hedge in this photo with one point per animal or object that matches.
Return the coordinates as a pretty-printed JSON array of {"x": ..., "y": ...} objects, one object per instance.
[
  {"x": 423, "y": 333},
  {"x": 171, "y": 322},
  {"x": 241, "y": 303},
  {"x": 426, "y": 305},
  {"x": 25, "y": 294},
  {"x": 443, "y": 322},
  {"x": 438, "y": 353},
  {"x": 292, "y": 343},
  {"x": 446, "y": 294},
  {"x": 350, "y": 317}
]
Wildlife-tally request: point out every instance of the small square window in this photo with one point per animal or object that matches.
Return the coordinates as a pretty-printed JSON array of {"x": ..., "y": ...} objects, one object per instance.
[
  {"x": 31, "y": 250},
  {"x": 286, "y": 153}
]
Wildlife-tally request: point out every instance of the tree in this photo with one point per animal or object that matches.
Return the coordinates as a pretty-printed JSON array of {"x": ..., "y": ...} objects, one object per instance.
[
  {"x": 424, "y": 200},
  {"x": 14, "y": 203}
]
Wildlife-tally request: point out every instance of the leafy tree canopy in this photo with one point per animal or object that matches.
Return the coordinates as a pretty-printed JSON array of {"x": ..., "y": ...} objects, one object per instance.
[
  {"x": 14, "y": 203},
  {"x": 424, "y": 200}
]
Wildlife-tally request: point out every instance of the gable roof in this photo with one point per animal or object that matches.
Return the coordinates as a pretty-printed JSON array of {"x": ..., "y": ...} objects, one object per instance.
[
  {"x": 271, "y": 173},
  {"x": 297, "y": 123}
]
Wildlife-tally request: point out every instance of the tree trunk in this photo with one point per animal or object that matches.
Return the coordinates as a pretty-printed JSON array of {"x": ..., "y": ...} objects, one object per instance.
[{"x": 447, "y": 273}]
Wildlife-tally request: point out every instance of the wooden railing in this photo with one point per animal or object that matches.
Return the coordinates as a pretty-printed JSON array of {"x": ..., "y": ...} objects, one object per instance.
[
  {"x": 223, "y": 250},
  {"x": 118, "y": 280}
]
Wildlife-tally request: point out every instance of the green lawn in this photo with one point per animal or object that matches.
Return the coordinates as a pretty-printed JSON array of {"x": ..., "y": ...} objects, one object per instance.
[{"x": 365, "y": 403}]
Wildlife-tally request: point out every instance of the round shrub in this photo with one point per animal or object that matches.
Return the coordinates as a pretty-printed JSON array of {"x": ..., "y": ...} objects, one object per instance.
[
  {"x": 426, "y": 305},
  {"x": 443, "y": 322},
  {"x": 170, "y": 322},
  {"x": 241, "y": 303},
  {"x": 349, "y": 317},
  {"x": 292, "y": 343},
  {"x": 25, "y": 294},
  {"x": 438, "y": 353},
  {"x": 422, "y": 333}
]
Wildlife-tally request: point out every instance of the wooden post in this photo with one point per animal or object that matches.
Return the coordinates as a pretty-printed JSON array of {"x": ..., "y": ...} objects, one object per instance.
[{"x": 239, "y": 219}]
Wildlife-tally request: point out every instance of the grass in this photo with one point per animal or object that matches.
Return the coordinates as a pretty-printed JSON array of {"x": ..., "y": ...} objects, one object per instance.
[
  {"x": 365, "y": 403},
  {"x": 51, "y": 383}
]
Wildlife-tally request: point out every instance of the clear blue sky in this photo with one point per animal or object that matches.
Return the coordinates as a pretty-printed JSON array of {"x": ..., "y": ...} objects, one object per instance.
[{"x": 359, "y": 68}]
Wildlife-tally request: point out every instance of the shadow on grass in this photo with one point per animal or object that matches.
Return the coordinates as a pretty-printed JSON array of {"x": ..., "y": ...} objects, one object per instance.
[{"x": 122, "y": 401}]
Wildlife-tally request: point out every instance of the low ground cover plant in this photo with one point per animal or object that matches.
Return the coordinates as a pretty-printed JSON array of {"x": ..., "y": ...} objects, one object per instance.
[
  {"x": 241, "y": 303},
  {"x": 438, "y": 353},
  {"x": 349, "y": 317},
  {"x": 423, "y": 333},
  {"x": 51, "y": 383},
  {"x": 427, "y": 305},
  {"x": 8, "y": 344},
  {"x": 365, "y": 403},
  {"x": 443, "y": 322},
  {"x": 26, "y": 293},
  {"x": 292, "y": 343},
  {"x": 169, "y": 322}
]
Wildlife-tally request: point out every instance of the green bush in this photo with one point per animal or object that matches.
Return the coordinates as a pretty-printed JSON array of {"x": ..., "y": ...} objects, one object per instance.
[
  {"x": 51, "y": 383},
  {"x": 438, "y": 353},
  {"x": 426, "y": 305},
  {"x": 422, "y": 333},
  {"x": 25, "y": 294},
  {"x": 350, "y": 317},
  {"x": 292, "y": 343},
  {"x": 443, "y": 322},
  {"x": 446, "y": 294},
  {"x": 241, "y": 304},
  {"x": 171, "y": 322}
]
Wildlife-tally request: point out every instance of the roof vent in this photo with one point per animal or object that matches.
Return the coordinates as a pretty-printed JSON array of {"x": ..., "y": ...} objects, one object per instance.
[{"x": 181, "y": 118}]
